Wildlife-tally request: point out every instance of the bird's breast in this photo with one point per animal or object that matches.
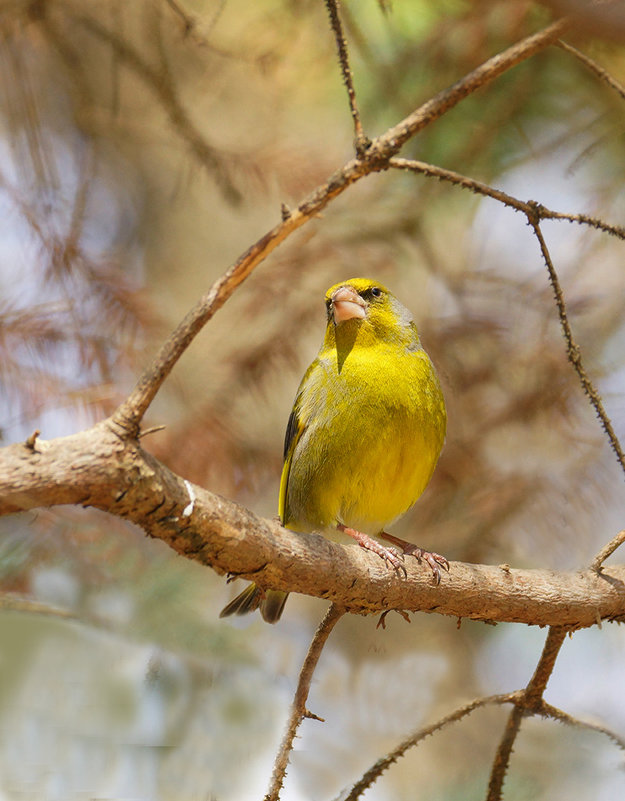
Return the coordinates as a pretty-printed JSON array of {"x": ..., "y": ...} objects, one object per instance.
[{"x": 373, "y": 435}]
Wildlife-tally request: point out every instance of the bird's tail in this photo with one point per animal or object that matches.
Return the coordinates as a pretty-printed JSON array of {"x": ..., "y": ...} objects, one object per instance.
[{"x": 271, "y": 603}]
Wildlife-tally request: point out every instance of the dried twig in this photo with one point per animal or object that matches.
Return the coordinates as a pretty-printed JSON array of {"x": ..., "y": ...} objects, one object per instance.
[
  {"x": 375, "y": 159},
  {"x": 573, "y": 351},
  {"x": 529, "y": 701},
  {"x": 607, "y": 550},
  {"x": 529, "y": 208},
  {"x": 534, "y": 213},
  {"x": 563, "y": 717},
  {"x": 16, "y": 603},
  {"x": 376, "y": 770},
  {"x": 398, "y": 135},
  {"x": 544, "y": 668},
  {"x": 361, "y": 141},
  {"x": 602, "y": 74},
  {"x": 298, "y": 710},
  {"x": 502, "y": 757}
]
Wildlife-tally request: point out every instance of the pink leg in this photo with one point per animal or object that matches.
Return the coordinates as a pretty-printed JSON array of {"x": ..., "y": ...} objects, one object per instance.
[
  {"x": 434, "y": 560},
  {"x": 389, "y": 555}
]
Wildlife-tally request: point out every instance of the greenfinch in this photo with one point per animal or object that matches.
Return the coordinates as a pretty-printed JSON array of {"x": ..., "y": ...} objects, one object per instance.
[{"x": 365, "y": 433}]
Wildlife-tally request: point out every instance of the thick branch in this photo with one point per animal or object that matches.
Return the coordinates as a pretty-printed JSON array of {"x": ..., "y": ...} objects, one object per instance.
[{"x": 98, "y": 468}]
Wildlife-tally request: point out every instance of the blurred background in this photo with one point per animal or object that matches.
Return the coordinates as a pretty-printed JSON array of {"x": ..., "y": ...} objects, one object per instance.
[{"x": 143, "y": 147}]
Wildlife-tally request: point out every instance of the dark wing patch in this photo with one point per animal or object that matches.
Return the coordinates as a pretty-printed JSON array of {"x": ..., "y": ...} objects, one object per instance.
[{"x": 292, "y": 428}]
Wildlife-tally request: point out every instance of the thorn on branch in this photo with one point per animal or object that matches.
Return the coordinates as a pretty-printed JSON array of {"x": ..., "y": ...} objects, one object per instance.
[
  {"x": 382, "y": 621},
  {"x": 152, "y": 430},
  {"x": 573, "y": 351},
  {"x": 607, "y": 550},
  {"x": 602, "y": 74},
  {"x": 298, "y": 709},
  {"x": 285, "y": 212},
  {"x": 30, "y": 442},
  {"x": 311, "y": 716},
  {"x": 361, "y": 142}
]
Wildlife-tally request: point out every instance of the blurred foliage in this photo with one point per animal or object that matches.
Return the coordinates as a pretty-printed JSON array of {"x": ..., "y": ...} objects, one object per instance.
[{"x": 144, "y": 146}]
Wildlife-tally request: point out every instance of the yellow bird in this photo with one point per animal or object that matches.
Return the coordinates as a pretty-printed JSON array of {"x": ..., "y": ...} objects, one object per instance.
[{"x": 365, "y": 433}]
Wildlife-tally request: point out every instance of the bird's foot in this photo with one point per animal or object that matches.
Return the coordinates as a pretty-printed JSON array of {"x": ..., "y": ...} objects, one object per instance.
[
  {"x": 390, "y": 555},
  {"x": 434, "y": 560}
]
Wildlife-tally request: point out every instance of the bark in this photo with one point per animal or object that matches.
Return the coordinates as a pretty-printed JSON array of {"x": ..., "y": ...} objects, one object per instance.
[{"x": 101, "y": 467}]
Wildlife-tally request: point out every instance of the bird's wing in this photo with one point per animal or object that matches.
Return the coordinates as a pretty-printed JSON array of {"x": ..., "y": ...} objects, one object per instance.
[
  {"x": 298, "y": 421},
  {"x": 293, "y": 432}
]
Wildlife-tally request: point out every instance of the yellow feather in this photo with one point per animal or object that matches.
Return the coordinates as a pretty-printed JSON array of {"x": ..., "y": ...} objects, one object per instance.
[{"x": 368, "y": 422}]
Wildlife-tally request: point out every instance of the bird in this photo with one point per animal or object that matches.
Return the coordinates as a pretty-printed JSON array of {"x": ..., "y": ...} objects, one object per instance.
[{"x": 364, "y": 436}]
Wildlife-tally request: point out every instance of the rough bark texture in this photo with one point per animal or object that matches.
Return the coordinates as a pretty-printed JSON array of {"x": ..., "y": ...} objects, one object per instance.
[{"x": 99, "y": 467}]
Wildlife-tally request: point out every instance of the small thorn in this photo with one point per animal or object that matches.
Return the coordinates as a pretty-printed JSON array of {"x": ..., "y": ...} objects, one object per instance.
[
  {"x": 285, "y": 211},
  {"x": 30, "y": 442},
  {"x": 152, "y": 430},
  {"x": 382, "y": 621}
]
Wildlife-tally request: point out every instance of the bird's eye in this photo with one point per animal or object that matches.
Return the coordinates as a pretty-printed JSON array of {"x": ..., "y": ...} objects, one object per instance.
[{"x": 376, "y": 291}]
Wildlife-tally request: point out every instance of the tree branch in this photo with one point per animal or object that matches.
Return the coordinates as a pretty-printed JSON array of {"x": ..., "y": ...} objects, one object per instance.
[
  {"x": 298, "y": 709},
  {"x": 602, "y": 74},
  {"x": 99, "y": 468},
  {"x": 361, "y": 141},
  {"x": 572, "y": 348},
  {"x": 607, "y": 550},
  {"x": 376, "y": 157},
  {"x": 527, "y": 207},
  {"x": 527, "y": 702},
  {"x": 376, "y": 770},
  {"x": 554, "y": 713}
]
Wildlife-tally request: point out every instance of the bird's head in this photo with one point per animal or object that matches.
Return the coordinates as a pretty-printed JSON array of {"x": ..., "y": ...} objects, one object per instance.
[{"x": 364, "y": 311}]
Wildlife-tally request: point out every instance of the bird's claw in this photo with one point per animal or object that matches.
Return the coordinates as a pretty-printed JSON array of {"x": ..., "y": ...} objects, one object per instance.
[
  {"x": 434, "y": 560},
  {"x": 391, "y": 555},
  {"x": 395, "y": 559}
]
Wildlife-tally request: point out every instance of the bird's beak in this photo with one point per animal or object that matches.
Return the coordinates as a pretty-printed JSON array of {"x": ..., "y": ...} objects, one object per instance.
[{"x": 347, "y": 305}]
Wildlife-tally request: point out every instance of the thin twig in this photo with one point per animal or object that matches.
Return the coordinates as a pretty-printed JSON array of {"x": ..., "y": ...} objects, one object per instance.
[
  {"x": 573, "y": 351},
  {"x": 129, "y": 414},
  {"x": 376, "y": 770},
  {"x": 15, "y": 603},
  {"x": 479, "y": 188},
  {"x": 398, "y": 135},
  {"x": 528, "y": 702},
  {"x": 534, "y": 213},
  {"x": 502, "y": 757},
  {"x": 583, "y": 219},
  {"x": 607, "y": 550},
  {"x": 602, "y": 74},
  {"x": 298, "y": 710},
  {"x": 361, "y": 141},
  {"x": 563, "y": 717},
  {"x": 544, "y": 668}
]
